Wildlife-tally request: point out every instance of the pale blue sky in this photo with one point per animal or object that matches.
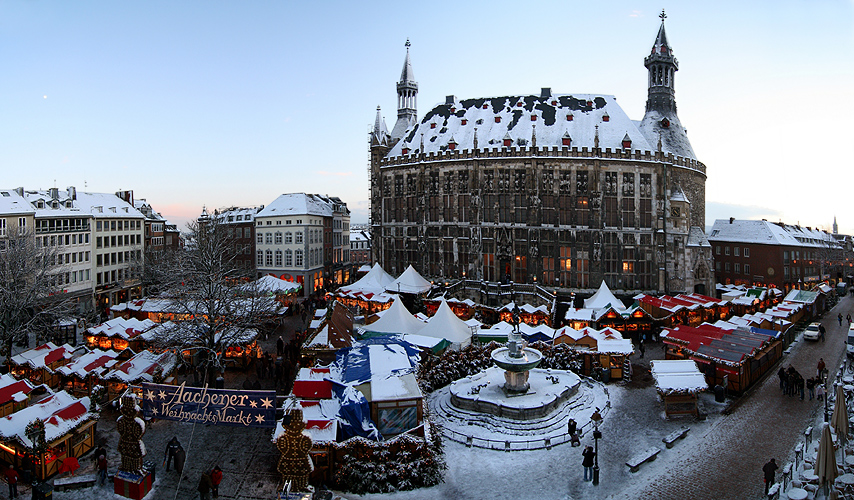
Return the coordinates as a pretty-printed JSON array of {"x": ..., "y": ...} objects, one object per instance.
[{"x": 193, "y": 103}]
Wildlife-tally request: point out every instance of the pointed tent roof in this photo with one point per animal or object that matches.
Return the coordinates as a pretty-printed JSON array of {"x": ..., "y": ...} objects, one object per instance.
[
  {"x": 397, "y": 319},
  {"x": 602, "y": 298},
  {"x": 374, "y": 282},
  {"x": 407, "y": 75},
  {"x": 409, "y": 282},
  {"x": 446, "y": 325}
]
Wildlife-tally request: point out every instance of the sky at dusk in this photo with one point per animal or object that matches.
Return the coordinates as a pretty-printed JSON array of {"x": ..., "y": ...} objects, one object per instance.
[{"x": 216, "y": 104}]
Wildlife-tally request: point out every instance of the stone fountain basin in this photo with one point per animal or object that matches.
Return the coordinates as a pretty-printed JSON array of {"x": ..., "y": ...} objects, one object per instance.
[{"x": 529, "y": 360}]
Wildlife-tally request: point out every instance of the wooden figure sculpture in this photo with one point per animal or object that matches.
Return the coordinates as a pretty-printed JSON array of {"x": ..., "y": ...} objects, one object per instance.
[
  {"x": 131, "y": 428},
  {"x": 294, "y": 445}
]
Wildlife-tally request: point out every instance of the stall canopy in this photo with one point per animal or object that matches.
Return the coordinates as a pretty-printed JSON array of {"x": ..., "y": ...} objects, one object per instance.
[
  {"x": 60, "y": 412},
  {"x": 446, "y": 325},
  {"x": 374, "y": 282},
  {"x": 603, "y": 298},
  {"x": 362, "y": 363},
  {"x": 409, "y": 282},
  {"x": 271, "y": 284},
  {"x": 354, "y": 415},
  {"x": 678, "y": 376},
  {"x": 396, "y": 319}
]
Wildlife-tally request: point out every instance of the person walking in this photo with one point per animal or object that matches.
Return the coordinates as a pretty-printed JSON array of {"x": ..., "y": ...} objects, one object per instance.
[
  {"x": 849, "y": 320},
  {"x": 811, "y": 387},
  {"x": 769, "y": 470},
  {"x": 205, "y": 485},
  {"x": 216, "y": 478},
  {"x": 839, "y": 317},
  {"x": 171, "y": 448},
  {"x": 587, "y": 462},
  {"x": 820, "y": 368},
  {"x": 12, "y": 478},
  {"x": 801, "y": 384},
  {"x": 102, "y": 469},
  {"x": 180, "y": 456},
  {"x": 642, "y": 350},
  {"x": 782, "y": 374},
  {"x": 821, "y": 332},
  {"x": 280, "y": 346},
  {"x": 819, "y": 392}
]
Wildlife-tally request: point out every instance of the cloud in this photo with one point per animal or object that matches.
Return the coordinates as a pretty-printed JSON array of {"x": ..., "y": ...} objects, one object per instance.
[
  {"x": 635, "y": 13},
  {"x": 334, "y": 174}
]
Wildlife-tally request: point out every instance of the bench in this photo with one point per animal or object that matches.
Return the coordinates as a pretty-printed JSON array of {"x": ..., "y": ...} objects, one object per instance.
[
  {"x": 671, "y": 438},
  {"x": 649, "y": 455},
  {"x": 74, "y": 482}
]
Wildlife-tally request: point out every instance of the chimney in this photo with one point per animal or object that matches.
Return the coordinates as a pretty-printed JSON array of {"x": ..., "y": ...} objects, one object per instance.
[
  {"x": 126, "y": 196},
  {"x": 731, "y": 220},
  {"x": 450, "y": 99},
  {"x": 54, "y": 193},
  {"x": 546, "y": 92},
  {"x": 20, "y": 191},
  {"x": 72, "y": 192}
]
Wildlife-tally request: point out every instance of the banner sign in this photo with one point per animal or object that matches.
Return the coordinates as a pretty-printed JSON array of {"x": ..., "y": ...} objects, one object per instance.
[{"x": 209, "y": 406}]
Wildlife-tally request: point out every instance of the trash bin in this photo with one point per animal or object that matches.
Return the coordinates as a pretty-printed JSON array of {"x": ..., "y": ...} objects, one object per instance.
[
  {"x": 719, "y": 394},
  {"x": 606, "y": 375},
  {"x": 220, "y": 383},
  {"x": 43, "y": 491}
]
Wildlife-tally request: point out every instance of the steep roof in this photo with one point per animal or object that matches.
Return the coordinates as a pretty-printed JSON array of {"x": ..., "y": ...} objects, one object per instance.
[
  {"x": 397, "y": 319},
  {"x": 297, "y": 204},
  {"x": 496, "y": 117},
  {"x": 603, "y": 298},
  {"x": 406, "y": 74},
  {"x": 446, "y": 325},
  {"x": 409, "y": 282},
  {"x": 769, "y": 233},
  {"x": 13, "y": 203}
]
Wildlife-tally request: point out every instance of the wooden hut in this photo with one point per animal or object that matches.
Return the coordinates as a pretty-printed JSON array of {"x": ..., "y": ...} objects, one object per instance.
[
  {"x": 40, "y": 363},
  {"x": 88, "y": 370},
  {"x": 14, "y": 394},
  {"x": 678, "y": 383},
  {"x": 119, "y": 334},
  {"x": 143, "y": 367}
]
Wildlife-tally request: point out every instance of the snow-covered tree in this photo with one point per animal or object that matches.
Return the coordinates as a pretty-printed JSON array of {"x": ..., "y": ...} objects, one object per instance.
[{"x": 31, "y": 298}]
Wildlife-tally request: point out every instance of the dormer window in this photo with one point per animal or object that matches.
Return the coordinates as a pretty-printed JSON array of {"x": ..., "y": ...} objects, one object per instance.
[
  {"x": 463, "y": 121},
  {"x": 54, "y": 204},
  {"x": 606, "y": 118},
  {"x": 486, "y": 106},
  {"x": 508, "y": 141},
  {"x": 554, "y": 103},
  {"x": 627, "y": 142},
  {"x": 665, "y": 123},
  {"x": 432, "y": 125},
  {"x": 519, "y": 104},
  {"x": 589, "y": 104},
  {"x": 566, "y": 140},
  {"x": 497, "y": 119},
  {"x": 68, "y": 204},
  {"x": 569, "y": 117},
  {"x": 404, "y": 150},
  {"x": 453, "y": 110},
  {"x": 533, "y": 118},
  {"x": 452, "y": 144}
]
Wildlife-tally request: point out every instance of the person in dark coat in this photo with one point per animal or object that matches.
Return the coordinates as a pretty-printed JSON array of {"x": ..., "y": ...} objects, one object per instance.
[
  {"x": 102, "y": 469},
  {"x": 171, "y": 448},
  {"x": 769, "y": 469},
  {"x": 783, "y": 379},
  {"x": 205, "y": 485},
  {"x": 280, "y": 346},
  {"x": 180, "y": 456},
  {"x": 572, "y": 427},
  {"x": 216, "y": 478},
  {"x": 587, "y": 462}
]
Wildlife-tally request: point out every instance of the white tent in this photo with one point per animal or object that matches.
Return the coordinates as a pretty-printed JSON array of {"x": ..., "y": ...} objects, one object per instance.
[
  {"x": 396, "y": 319},
  {"x": 446, "y": 325},
  {"x": 602, "y": 298},
  {"x": 409, "y": 282},
  {"x": 271, "y": 284},
  {"x": 374, "y": 282}
]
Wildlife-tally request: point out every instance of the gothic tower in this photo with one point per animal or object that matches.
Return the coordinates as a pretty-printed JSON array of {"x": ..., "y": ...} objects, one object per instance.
[{"x": 407, "y": 93}]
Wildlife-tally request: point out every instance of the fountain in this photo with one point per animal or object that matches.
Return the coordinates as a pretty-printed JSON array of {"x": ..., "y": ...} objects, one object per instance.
[{"x": 517, "y": 363}]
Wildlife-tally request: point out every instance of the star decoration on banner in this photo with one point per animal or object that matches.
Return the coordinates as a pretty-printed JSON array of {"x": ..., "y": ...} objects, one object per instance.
[
  {"x": 267, "y": 403},
  {"x": 162, "y": 395},
  {"x": 253, "y": 404},
  {"x": 154, "y": 411},
  {"x": 259, "y": 418},
  {"x": 150, "y": 395}
]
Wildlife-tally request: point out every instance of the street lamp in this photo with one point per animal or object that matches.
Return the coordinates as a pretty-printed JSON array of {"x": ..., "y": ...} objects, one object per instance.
[
  {"x": 826, "y": 394},
  {"x": 596, "y": 418}
]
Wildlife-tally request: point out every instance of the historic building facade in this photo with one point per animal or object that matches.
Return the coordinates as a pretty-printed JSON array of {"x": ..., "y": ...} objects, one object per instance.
[{"x": 559, "y": 189}]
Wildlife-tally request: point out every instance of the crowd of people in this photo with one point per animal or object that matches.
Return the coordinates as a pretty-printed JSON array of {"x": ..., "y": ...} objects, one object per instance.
[{"x": 792, "y": 383}]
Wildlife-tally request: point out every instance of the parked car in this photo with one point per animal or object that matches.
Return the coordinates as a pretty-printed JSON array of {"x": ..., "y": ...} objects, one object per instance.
[{"x": 811, "y": 333}]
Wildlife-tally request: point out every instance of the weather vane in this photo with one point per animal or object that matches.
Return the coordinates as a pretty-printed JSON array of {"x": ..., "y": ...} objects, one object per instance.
[
  {"x": 408, "y": 44},
  {"x": 662, "y": 15}
]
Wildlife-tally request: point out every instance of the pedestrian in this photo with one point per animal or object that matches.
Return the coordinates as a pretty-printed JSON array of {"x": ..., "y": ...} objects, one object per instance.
[
  {"x": 102, "y": 469},
  {"x": 205, "y": 485},
  {"x": 769, "y": 469},
  {"x": 277, "y": 370},
  {"x": 782, "y": 374},
  {"x": 820, "y": 368},
  {"x": 641, "y": 349},
  {"x": 811, "y": 387},
  {"x": 821, "y": 332},
  {"x": 571, "y": 427},
  {"x": 801, "y": 384},
  {"x": 280, "y": 346},
  {"x": 819, "y": 392},
  {"x": 180, "y": 456},
  {"x": 849, "y": 321},
  {"x": 839, "y": 317},
  {"x": 12, "y": 479},
  {"x": 171, "y": 448},
  {"x": 587, "y": 463},
  {"x": 216, "y": 478}
]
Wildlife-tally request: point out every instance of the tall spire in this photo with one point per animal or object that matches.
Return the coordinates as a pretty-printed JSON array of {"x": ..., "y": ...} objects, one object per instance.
[
  {"x": 407, "y": 93},
  {"x": 379, "y": 135},
  {"x": 835, "y": 227},
  {"x": 662, "y": 67}
]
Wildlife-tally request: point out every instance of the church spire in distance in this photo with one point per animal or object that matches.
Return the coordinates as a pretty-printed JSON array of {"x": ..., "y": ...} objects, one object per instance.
[
  {"x": 407, "y": 94},
  {"x": 662, "y": 67}
]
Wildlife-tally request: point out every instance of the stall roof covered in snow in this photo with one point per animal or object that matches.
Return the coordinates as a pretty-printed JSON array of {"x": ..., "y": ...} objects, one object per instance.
[
  {"x": 12, "y": 389},
  {"x": 271, "y": 284},
  {"x": 446, "y": 325},
  {"x": 95, "y": 362},
  {"x": 43, "y": 355},
  {"x": 60, "y": 412},
  {"x": 394, "y": 388},
  {"x": 603, "y": 298},
  {"x": 143, "y": 366},
  {"x": 396, "y": 319},
  {"x": 123, "y": 328},
  {"x": 678, "y": 376},
  {"x": 363, "y": 363},
  {"x": 409, "y": 282},
  {"x": 374, "y": 282}
]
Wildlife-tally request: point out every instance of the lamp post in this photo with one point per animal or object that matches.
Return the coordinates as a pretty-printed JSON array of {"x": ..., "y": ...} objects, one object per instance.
[
  {"x": 596, "y": 418},
  {"x": 826, "y": 394}
]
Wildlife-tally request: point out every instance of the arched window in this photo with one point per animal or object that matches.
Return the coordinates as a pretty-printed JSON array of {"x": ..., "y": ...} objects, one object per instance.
[
  {"x": 278, "y": 238},
  {"x": 278, "y": 257},
  {"x": 289, "y": 258},
  {"x": 269, "y": 258},
  {"x": 260, "y": 258},
  {"x": 289, "y": 238},
  {"x": 298, "y": 257}
]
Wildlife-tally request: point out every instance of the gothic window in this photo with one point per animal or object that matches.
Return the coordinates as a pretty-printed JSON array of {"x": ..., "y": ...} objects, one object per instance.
[
  {"x": 645, "y": 213},
  {"x": 612, "y": 214},
  {"x": 387, "y": 186},
  {"x": 411, "y": 185},
  {"x": 398, "y": 185},
  {"x": 628, "y": 207},
  {"x": 628, "y": 184}
]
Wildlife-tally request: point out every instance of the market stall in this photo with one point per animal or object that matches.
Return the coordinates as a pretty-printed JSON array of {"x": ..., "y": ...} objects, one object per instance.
[
  {"x": 14, "y": 394},
  {"x": 39, "y": 364},
  {"x": 678, "y": 382},
  {"x": 88, "y": 370},
  {"x": 143, "y": 367},
  {"x": 119, "y": 334}
]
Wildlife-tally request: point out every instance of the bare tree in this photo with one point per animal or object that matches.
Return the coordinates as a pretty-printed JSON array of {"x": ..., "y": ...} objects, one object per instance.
[
  {"x": 209, "y": 296},
  {"x": 31, "y": 298}
]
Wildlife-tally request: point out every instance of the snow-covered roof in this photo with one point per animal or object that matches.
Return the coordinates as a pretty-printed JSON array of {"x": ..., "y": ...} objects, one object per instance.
[
  {"x": 271, "y": 284},
  {"x": 106, "y": 205},
  {"x": 677, "y": 376},
  {"x": 603, "y": 298},
  {"x": 802, "y": 296},
  {"x": 769, "y": 233},
  {"x": 12, "y": 389},
  {"x": 298, "y": 204},
  {"x": 43, "y": 355},
  {"x": 12, "y": 203},
  {"x": 556, "y": 115},
  {"x": 143, "y": 366},
  {"x": 395, "y": 388},
  {"x": 375, "y": 282},
  {"x": 95, "y": 362},
  {"x": 409, "y": 282},
  {"x": 60, "y": 412},
  {"x": 122, "y": 328},
  {"x": 396, "y": 319},
  {"x": 446, "y": 325}
]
